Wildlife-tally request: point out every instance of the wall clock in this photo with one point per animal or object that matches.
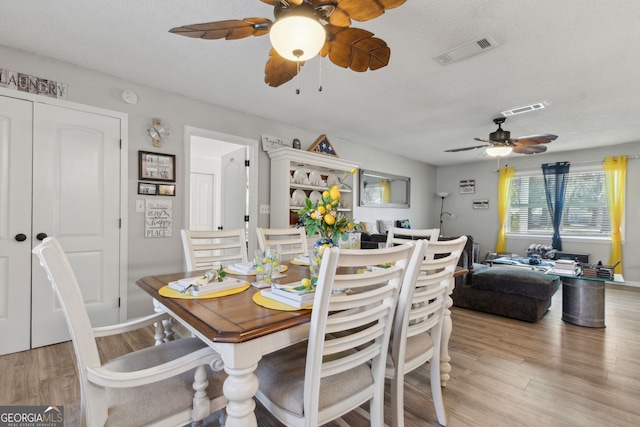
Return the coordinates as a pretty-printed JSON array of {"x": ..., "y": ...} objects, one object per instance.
[{"x": 158, "y": 133}]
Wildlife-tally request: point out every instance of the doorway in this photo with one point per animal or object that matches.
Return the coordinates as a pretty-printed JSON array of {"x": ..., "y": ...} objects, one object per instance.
[{"x": 222, "y": 189}]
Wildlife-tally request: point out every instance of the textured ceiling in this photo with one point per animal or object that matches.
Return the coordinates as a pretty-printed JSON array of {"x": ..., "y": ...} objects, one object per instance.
[{"x": 578, "y": 56}]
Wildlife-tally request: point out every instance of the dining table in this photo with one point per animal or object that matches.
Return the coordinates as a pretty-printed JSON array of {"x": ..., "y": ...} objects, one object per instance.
[{"x": 239, "y": 329}]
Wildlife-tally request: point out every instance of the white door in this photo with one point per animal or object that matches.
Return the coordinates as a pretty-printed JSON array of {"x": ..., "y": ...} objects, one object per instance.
[
  {"x": 15, "y": 224},
  {"x": 234, "y": 190},
  {"x": 76, "y": 198},
  {"x": 202, "y": 196}
]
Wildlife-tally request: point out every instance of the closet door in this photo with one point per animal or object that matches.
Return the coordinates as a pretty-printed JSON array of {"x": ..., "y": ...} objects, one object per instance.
[
  {"x": 15, "y": 224},
  {"x": 76, "y": 198}
]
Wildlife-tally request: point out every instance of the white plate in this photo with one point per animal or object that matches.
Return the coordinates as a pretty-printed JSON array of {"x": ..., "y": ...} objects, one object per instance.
[
  {"x": 315, "y": 178},
  {"x": 300, "y": 176},
  {"x": 315, "y": 196},
  {"x": 299, "y": 197},
  {"x": 332, "y": 180}
]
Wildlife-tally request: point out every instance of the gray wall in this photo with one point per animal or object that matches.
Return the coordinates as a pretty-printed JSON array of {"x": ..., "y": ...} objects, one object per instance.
[
  {"x": 483, "y": 224},
  {"x": 152, "y": 256}
]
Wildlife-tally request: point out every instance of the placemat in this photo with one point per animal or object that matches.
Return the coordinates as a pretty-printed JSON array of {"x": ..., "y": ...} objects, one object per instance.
[
  {"x": 272, "y": 304},
  {"x": 166, "y": 291},
  {"x": 294, "y": 262}
]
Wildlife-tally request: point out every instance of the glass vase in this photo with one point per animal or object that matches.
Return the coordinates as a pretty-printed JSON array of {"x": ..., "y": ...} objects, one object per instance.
[{"x": 316, "y": 258}]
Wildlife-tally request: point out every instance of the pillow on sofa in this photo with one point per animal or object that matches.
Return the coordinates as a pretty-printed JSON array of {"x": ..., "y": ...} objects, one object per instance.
[
  {"x": 384, "y": 225},
  {"x": 403, "y": 223},
  {"x": 369, "y": 227}
]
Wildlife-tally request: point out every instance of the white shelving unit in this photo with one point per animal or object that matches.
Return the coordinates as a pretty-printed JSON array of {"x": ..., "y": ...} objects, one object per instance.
[{"x": 284, "y": 164}]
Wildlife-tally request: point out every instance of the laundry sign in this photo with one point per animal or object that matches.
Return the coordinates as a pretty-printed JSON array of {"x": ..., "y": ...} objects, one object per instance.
[
  {"x": 158, "y": 218},
  {"x": 32, "y": 84}
]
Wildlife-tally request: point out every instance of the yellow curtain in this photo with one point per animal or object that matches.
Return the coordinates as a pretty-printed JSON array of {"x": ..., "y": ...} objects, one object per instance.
[
  {"x": 504, "y": 187},
  {"x": 385, "y": 189},
  {"x": 615, "y": 175}
]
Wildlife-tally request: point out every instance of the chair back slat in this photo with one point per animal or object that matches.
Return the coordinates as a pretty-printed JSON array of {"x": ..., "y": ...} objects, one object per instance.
[
  {"x": 293, "y": 241},
  {"x": 210, "y": 249}
]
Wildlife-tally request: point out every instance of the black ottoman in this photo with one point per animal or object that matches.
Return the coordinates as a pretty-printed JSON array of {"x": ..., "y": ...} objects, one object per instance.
[{"x": 519, "y": 293}]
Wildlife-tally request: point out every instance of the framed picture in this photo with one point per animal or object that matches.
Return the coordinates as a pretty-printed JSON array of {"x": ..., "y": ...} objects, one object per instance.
[
  {"x": 468, "y": 186},
  {"x": 481, "y": 204},
  {"x": 166, "y": 189},
  {"x": 147, "y": 188},
  {"x": 157, "y": 166}
]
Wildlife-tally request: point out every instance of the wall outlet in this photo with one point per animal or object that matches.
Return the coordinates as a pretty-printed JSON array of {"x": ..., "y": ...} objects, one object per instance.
[
  {"x": 139, "y": 205},
  {"x": 265, "y": 209}
]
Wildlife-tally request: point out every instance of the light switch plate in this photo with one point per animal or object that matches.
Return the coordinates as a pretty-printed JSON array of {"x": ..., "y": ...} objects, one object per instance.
[{"x": 265, "y": 209}]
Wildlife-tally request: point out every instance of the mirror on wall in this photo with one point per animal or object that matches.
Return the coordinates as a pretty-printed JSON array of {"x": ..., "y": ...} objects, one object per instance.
[{"x": 380, "y": 189}]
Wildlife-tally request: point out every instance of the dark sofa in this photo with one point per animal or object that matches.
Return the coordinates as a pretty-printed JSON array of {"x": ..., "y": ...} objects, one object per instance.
[{"x": 514, "y": 292}]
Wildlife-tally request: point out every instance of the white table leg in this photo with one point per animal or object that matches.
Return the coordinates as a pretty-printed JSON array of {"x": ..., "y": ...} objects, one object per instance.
[
  {"x": 240, "y": 362},
  {"x": 445, "y": 367}
]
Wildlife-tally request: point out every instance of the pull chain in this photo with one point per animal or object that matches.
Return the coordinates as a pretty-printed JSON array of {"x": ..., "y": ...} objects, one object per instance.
[
  {"x": 298, "y": 77},
  {"x": 320, "y": 74}
]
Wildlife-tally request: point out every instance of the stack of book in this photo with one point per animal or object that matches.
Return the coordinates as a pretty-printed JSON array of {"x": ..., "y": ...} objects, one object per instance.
[
  {"x": 289, "y": 295},
  {"x": 565, "y": 267}
]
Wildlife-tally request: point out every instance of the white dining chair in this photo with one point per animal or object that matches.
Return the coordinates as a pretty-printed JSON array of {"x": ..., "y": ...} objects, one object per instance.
[
  {"x": 397, "y": 235},
  {"x": 169, "y": 384},
  {"x": 208, "y": 249},
  {"x": 417, "y": 328},
  {"x": 292, "y": 240},
  {"x": 342, "y": 364},
  {"x": 434, "y": 251}
]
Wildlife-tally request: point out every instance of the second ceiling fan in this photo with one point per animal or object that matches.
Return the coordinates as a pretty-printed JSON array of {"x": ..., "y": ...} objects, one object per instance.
[{"x": 500, "y": 142}]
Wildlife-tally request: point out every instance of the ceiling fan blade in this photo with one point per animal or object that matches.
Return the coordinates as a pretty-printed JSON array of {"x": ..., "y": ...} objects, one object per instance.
[
  {"x": 485, "y": 140},
  {"x": 362, "y": 10},
  {"x": 543, "y": 138},
  {"x": 455, "y": 150},
  {"x": 355, "y": 48},
  {"x": 529, "y": 149},
  {"x": 230, "y": 30},
  {"x": 278, "y": 70}
]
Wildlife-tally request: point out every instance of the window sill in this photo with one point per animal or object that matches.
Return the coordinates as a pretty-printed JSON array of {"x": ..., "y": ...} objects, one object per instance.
[{"x": 565, "y": 239}]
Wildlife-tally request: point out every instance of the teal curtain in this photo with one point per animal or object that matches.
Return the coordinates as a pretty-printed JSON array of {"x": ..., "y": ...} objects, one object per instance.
[{"x": 555, "y": 184}]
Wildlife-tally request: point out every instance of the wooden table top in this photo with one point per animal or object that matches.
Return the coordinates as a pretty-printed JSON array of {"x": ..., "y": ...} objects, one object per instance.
[{"x": 233, "y": 318}]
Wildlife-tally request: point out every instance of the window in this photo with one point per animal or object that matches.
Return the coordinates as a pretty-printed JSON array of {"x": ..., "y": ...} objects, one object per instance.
[{"x": 585, "y": 205}]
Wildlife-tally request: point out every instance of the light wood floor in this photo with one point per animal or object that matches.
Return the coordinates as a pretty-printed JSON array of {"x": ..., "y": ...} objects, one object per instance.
[{"x": 505, "y": 372}]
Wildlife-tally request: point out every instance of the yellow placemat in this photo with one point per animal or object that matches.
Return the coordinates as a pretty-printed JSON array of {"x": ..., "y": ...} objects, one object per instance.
[
  {"x": 166, "y": 291},
  {"x": 283, "y": 268},
  {"x": 294, "y": 262},
  {"x": 272, "y": 304}
]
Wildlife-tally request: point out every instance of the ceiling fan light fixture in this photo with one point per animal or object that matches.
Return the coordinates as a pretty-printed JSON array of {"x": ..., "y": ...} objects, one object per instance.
[
  {"x": 499, "y": 151},
  {"x": 297, "y": 38}
]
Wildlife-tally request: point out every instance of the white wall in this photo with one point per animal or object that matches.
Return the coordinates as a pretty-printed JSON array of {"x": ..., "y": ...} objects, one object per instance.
[
  {"x": 154, "y": 256},
  {"x": 483, "y": 224}
]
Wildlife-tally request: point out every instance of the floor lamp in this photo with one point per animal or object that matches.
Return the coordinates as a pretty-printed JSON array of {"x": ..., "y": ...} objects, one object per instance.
[{"x": 442, "y": 195}]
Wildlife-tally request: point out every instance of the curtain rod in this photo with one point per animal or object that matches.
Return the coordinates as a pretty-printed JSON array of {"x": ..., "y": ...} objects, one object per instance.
[{"x": 572, "y": 163}]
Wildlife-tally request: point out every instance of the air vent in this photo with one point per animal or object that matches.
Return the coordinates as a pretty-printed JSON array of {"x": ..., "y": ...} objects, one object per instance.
[
  {"x": 525, "y": 109},
  {"x": 466, "y": 50}
]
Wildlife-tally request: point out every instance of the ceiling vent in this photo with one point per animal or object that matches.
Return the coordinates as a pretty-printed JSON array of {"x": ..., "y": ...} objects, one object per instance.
[
  {"x": 466, "y": 50},
  {"x": 525, "y": 109}
]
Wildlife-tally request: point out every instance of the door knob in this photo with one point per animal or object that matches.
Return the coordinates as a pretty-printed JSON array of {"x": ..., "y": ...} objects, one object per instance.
[
  {"x": 41, "y": 236},
  {"x": 21, "y": 237}
]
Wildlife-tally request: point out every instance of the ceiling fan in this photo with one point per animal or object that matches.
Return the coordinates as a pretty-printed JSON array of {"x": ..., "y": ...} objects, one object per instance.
[
  {"x": 501, "y": 143},
  {"x": 328, "y": 22}
]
